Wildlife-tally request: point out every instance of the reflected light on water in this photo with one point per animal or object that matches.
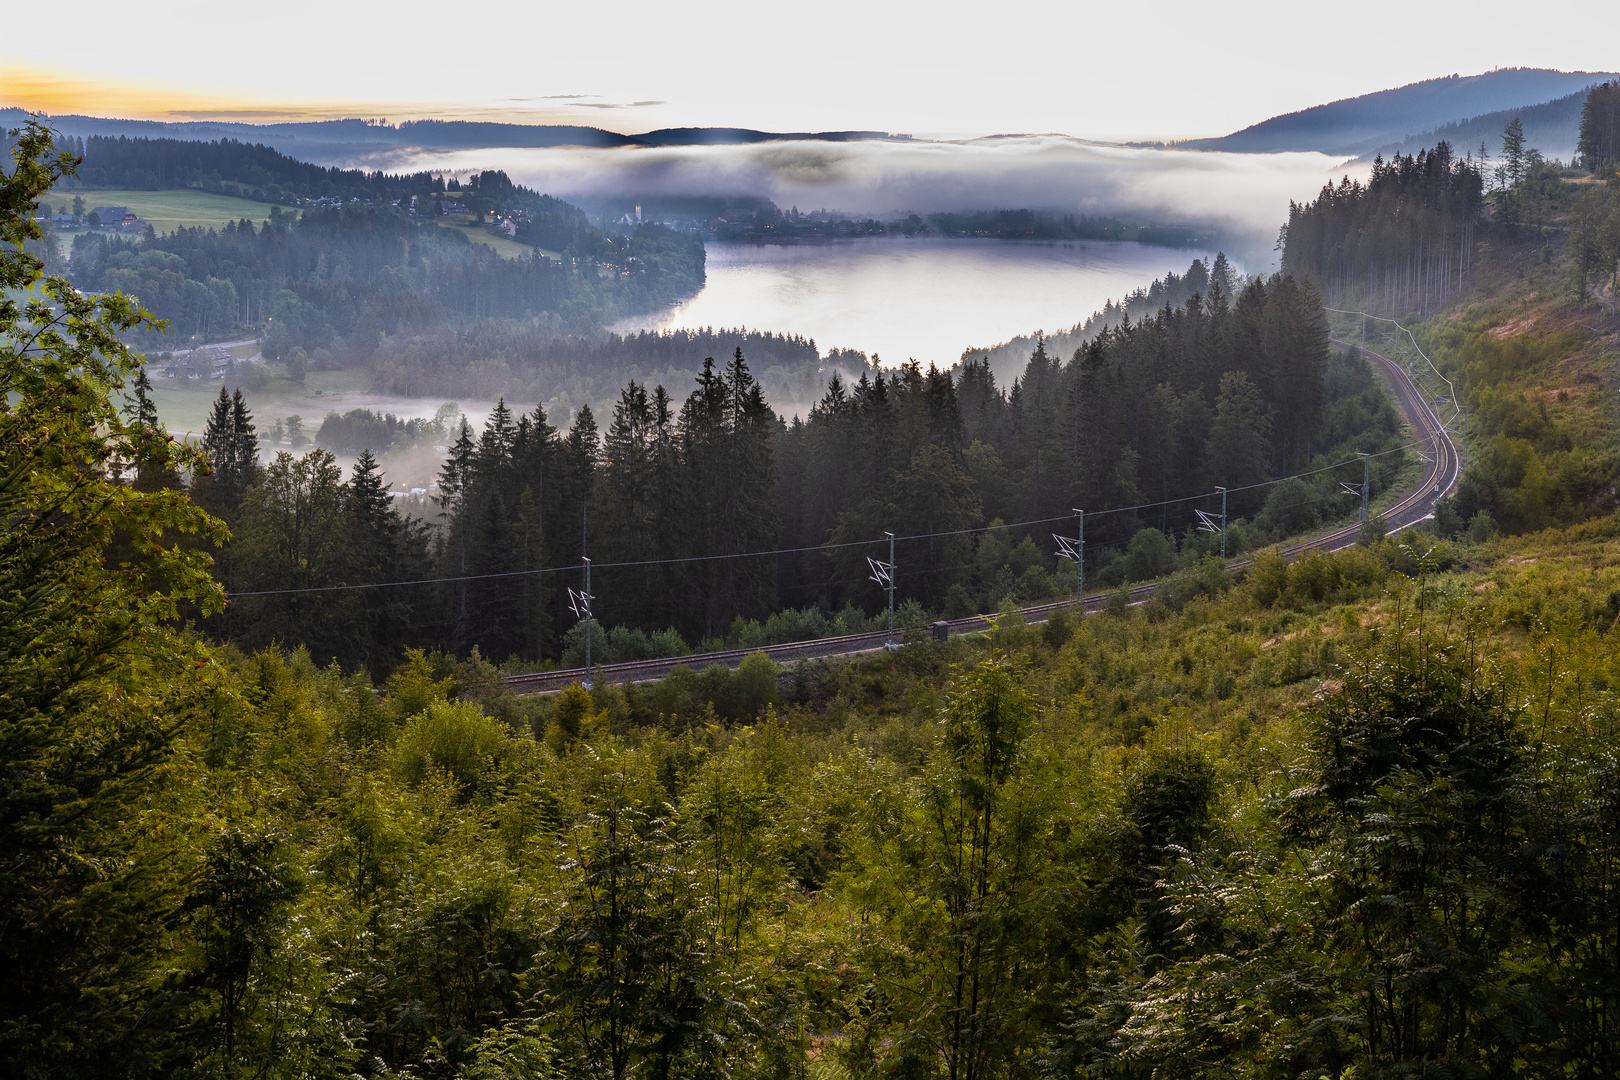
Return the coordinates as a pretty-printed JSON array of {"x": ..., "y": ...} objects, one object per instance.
[{"x": 927, "y": 299}]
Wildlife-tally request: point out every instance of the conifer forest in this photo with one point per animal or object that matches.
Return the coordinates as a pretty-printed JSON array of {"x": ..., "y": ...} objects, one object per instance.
[{"x": 270, "y": 807}]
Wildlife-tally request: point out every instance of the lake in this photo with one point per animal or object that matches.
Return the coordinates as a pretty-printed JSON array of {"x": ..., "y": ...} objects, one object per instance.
[
  {"x": 923, "y": 298},
  {"x": 927, "y": 299}
]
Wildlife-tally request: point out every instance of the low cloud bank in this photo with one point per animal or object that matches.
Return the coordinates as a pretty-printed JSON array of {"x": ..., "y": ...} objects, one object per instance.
[{"x": 1242, "y": 195}]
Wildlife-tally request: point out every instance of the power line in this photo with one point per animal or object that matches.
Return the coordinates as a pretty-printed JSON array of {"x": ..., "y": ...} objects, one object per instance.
[{"x": 801, "y": 550}]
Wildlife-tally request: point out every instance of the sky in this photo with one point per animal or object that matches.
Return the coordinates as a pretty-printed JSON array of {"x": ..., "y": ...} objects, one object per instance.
[{"x": 1163, "y": 69}]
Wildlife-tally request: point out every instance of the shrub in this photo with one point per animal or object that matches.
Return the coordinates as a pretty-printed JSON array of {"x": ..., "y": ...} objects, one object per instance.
[
  {"x": 1268, "y": 577},
  {"x": 454, "y": 737},
  {"x": 756, "y": 683}
]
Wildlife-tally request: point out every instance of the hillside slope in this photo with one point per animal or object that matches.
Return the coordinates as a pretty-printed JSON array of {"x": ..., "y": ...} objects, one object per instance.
[
  {"x": 1357, "y": 125},
  {"x": 1552, "y": 127},
  {"x": 329, "y": 142}
]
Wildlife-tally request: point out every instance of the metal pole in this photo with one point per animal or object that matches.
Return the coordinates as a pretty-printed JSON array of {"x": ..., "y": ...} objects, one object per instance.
[
  {"x": 1366, "y": 482},
  {"x": 1080, "y": 561},
  {"x": 890, "y": 535},
  {"x": 587, "y": 623},
  {"x": 1223, "y": 522}
]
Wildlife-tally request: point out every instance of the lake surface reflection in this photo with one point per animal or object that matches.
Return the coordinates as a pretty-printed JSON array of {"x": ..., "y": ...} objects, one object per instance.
[{"x": 922, "y": 298}]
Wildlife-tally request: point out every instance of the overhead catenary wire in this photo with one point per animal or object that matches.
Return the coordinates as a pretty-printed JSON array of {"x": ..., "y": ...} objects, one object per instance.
[{"x": 811, "y": 548}]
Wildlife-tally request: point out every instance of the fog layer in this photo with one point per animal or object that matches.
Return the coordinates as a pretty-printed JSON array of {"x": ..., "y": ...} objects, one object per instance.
[{"x": 1239, "y": 194}]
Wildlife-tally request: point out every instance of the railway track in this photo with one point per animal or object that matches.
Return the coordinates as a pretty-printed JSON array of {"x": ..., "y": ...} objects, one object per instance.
[{"x": 1439, "y": 478}]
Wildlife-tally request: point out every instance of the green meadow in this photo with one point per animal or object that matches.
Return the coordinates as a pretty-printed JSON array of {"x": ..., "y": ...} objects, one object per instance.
[{"x": 168, "y": 210}]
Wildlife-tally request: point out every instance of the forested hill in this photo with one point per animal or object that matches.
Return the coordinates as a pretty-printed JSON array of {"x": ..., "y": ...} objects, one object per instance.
[
  {"x": 1007, "y": 358},
  {"x": 1552, "y": 125},
  {"x": 366, "y": 259},
  {"x": 337, "y": 141},
  {"x": 338, "y": 281},
  {"x": 1403, "y": 242},
  {"x": 1357, "y": 125},
  {"x": 255, "y": 171}
]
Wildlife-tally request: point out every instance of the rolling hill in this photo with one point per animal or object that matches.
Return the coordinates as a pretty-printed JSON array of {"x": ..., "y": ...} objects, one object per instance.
[
  {"x": 1553, "y": 127},
  {"x": 334, "y": 142},
  {"x": 1361, "y": 125}
]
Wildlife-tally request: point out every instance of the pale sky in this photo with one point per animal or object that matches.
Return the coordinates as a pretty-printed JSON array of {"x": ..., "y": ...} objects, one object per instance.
[{"x": 1164, "y": 69}]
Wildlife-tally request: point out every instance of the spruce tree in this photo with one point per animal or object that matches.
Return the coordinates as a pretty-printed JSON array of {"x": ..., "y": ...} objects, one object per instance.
[
  {"x": 153, "y": 472},
  {"x": 1513, "y": 151},
  {"x": 232, "y": 446},
  {"x": 208, "y": 489},
  {"x": 245, "y": 451},
  {"x": 385, "y": 549},
  {"x": 1599, "y": 141},
  {"x": 455, "y": 481},
  {"x": 1235, "y": 453},
  {"x": 535, "y": 453},
  {"x": 494, "y": 610},
  {"x": 625, "y": 506}
]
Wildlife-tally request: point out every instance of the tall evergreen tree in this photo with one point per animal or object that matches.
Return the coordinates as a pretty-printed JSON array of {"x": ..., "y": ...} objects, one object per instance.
[
  {"x": 232, "y": 445},
  {"x": 295, "y": 534},
  {"x": 385, "y": 548},
  {"x": 1599, "y": 141},
  {"x": 494, "y": 620},
  {"x": 455, "y": 484},
  {"x": 535, "y": 459},
  {"x": 1235, "y": 454}
]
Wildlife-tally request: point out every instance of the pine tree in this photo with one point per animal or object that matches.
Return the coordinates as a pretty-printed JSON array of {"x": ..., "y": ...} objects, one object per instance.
[
  {"x": 245, "y": 452},
  {"x": 625, "y": 494},
  {"x": 581, "y": 454},
  {"x": 207, "y": 488},
  {"x": 232, "y": 446}
]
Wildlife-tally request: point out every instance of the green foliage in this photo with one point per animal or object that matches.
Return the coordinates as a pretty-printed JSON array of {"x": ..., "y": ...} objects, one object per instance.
[
  {"x": 454, "y": 738},
  {"x": 1534, "y": 466},
  {"x": 1315, "y": 577},
  {"x": 98, "y": 686}
]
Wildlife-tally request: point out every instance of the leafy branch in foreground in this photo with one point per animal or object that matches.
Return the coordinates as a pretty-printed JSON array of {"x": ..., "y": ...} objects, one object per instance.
[{"x": 95, "y": 684}]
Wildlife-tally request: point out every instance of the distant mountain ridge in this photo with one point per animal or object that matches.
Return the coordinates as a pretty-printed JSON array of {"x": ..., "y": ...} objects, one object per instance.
[
  {"x": 1552, "y": 127},
  {"x": 1361, "y": 125},
  {"x": 333, "y": 141}
]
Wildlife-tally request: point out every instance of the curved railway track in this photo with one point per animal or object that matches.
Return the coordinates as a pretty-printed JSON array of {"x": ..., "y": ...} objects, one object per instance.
[{"x": 1439, "y": 478}]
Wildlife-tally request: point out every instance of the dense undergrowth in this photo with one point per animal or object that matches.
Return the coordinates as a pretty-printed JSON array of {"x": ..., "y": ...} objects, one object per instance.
[{"x": 1126, "y": 831}]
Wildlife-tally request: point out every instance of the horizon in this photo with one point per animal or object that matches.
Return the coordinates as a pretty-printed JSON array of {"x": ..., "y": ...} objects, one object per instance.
[
  {"x": 59, "y": 97},
  {"x": 850, "y": 68}
]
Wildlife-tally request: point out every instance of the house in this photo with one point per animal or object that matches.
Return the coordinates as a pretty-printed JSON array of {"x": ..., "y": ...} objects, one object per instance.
[{"x": 112, "y": 217}]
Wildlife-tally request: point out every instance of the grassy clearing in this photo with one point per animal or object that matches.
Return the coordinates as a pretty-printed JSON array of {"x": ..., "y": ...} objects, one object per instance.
[
  {"x": 169, "y": 210},
  {"x": 185, "y": 407},
  {"x": 504, "y": 246}
]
